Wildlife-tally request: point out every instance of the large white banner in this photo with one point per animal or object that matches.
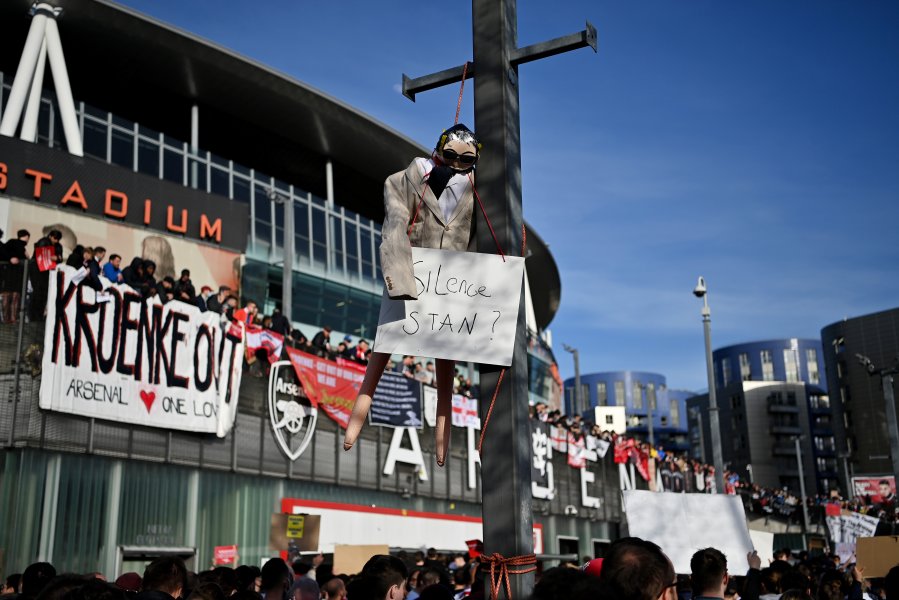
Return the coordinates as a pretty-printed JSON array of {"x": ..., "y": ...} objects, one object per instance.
[
  {"x": 467, "y": 308},
  {"x": 684, "y": 523},
  {"x": 115, "y": 356}
]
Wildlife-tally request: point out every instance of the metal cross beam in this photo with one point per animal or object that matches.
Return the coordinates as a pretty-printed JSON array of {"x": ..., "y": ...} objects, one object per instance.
[
  {"x": 519, "y": 56},
  {"x": 505, "y": 460}
]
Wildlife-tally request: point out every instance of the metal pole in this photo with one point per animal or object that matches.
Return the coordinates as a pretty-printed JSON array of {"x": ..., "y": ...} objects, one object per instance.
[
  {"x": 886, "y": 378},
  {"x": 717, "y": 458},
  {"x": 579, "y": 400},
  {"x": 801, "y": 485},
  {"x": 19, "y": 337},
  {"x": 289, "y": 251},
  {"x": 505, "y": 460}
]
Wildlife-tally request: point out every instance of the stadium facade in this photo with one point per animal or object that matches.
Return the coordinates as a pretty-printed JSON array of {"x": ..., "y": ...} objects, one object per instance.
[{"x": 196, "y": 157}]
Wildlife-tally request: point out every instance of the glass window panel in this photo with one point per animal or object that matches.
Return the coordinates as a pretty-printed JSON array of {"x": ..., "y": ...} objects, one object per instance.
[
  {"x": 95, "y": 112},
  {"x": 43, "y": 123},
  {"x": 173, "y": 166},
  {"x": 148, "y": 157},
  {"x": 241, "y": 189},
  {"x": 619, "y": 393},
  {"x": 122, "y": 148},
  {"x": 637, "y": 396},
  {"x": 172, "y": 141},
  {"x": 218, "y": 182},
  {"x": 263, "y": 208},
  {"x": 122, "y": 122},
  {"x": 144, "y": 130},
  {"x": 95, "y": 139}
]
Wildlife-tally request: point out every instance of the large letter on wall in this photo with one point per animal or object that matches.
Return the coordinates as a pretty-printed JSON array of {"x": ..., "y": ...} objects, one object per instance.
[{"x": 411, "y": 456}]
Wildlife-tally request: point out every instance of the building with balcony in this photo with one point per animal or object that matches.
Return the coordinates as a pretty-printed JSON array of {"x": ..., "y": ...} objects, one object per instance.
[
  {"x": 642, "y": 394},
  {"x": 768, "y": 393},
  {"x": 857, "y": 395},
  {"x": 196, "y": 156}
]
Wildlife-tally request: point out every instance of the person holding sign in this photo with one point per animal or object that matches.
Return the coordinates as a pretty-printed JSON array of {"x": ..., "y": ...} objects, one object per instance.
[{"x": 429, "y": 205}]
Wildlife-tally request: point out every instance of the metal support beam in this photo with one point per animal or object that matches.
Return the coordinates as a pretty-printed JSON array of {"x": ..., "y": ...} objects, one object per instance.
[
  {"x": 434, "y": 80},
  {"x": 573, "y": 41}
]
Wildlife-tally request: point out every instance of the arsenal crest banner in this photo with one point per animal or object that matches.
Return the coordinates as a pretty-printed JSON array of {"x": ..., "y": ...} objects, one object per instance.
[
  {"x": 332, "y": 386},
  {"x": 112, "y": 355}
]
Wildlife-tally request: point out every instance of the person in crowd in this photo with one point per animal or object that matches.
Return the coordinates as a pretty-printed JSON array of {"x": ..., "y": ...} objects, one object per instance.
[
  {"x": 247, "y": 314},
  {"x": 15, "y": 253},
  {"x": 335, "y": 589},
  {"x": 407, "y": 367},
  {"x": 276, "y": 580},
  {"x": 130, "y": 583},
  {"x": 382, "y": 578},
  {"x": 99, "y": 254},
  {"x": 133, "y": 274},
  {"x": 184, "y": 288},
  {"x": 112, "y": 269},
  {"x": 12, "y": 585},
  {"x": 305, "y": 588},
  {"x": 52, "y": 239},
  {"x": 321, "y": 342},
  {"x": 360, "y": 353},
  {"x": 207, "y": 590},
  {"x": 229, "y": 307},
  {"x": 636, "y": 569},
  {"x": 461, "y": 582},
  {"x": 299, "y": 340},
  {"x": 200, "y": 301},
  {"x": 708, "y": 572},
  {"x": 35, "y": 579},
  {"x": 248, "y": 578},
  {"x": 347, "y": 351},
  {"x": 76, "y": 258},
  {"x": 164, "y": 579},
  {"x": 216, "y": 303},
  {"x": 280, "y": 323}
]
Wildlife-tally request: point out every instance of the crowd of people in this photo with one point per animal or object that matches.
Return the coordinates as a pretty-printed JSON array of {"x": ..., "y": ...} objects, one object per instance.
[
  {"x": 763, "y": 501},
  {"x": 632, "y": 569}
]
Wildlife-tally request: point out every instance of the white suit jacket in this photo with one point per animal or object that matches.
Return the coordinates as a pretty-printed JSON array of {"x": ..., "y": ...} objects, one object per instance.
[{"x": 432, "y": 229}]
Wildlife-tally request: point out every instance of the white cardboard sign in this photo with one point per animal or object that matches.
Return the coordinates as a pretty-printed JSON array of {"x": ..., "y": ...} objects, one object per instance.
[
  {"x": 467, "y": 308},
  {"x": 684, "y": 523}
]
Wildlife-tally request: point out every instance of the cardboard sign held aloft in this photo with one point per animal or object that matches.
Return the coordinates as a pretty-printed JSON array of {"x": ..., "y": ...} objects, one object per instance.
[
  {"x": 683, "y": 523},
  {"x": 467, "y": 308},
  {"x": 877, "y": 555},
  {"x": 225, "y": 555},
  {"x": 349, "y": 560},
  {"x": 298, "y": 533}
]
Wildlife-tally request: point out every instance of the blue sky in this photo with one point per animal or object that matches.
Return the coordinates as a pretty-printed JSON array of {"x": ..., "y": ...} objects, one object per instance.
[{"x": 754, "y": 143}]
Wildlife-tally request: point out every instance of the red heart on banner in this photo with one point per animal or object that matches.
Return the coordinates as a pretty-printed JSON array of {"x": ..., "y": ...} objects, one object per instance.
[{"x": 148, "y": 398}]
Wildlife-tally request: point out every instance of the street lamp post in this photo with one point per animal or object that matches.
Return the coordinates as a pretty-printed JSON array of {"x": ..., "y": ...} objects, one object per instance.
[
  {"x": 886, "y": 380},
  {"x": 576, "y": 399},
  {"x": 700, "y": 291},
  {"x": 801, "y": 484}
]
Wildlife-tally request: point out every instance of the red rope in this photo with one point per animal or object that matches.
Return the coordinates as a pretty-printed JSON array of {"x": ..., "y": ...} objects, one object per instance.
[
  {"x": 461, "y": 89},
  {"x": 499, "y": 562},
  {"x": 524, "y": 246},
  {"x": 490, "y": 410},
  {"x": 486, "y": 218}
]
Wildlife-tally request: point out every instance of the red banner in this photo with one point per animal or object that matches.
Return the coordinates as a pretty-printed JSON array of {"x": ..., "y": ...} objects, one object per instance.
[
  {"x": 44, "y": 257},
  {"x": 331, "y": 386}
]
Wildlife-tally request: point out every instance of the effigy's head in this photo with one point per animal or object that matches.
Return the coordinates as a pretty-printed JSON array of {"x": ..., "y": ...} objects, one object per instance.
[{"x": 458, "y": 148}]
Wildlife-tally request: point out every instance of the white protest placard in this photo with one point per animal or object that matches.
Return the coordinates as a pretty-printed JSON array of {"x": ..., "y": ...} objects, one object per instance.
[
  {"x": 467, "y": 308},
  {"x": 681, "y": 524},
  {"x": 126, "y": 359}
]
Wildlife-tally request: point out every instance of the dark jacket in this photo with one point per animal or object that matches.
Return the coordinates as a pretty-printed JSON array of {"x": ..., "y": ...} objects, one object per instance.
[{"x": 130, "y": 274}]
